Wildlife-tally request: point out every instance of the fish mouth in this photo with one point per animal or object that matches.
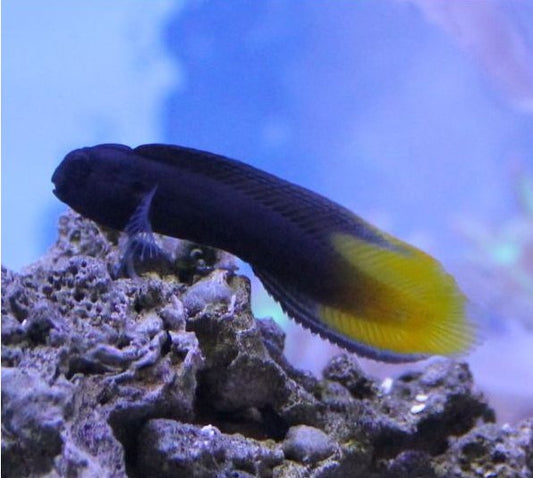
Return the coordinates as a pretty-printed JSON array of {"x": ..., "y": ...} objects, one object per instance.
[{"x": 58, "y": 181}]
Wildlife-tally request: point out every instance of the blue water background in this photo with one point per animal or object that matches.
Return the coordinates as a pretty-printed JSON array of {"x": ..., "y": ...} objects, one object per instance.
[{"x": 366, "y": 102}]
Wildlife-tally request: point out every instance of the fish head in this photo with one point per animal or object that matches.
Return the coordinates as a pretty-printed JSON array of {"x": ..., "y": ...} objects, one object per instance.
[{"x": 103, "y": 183}]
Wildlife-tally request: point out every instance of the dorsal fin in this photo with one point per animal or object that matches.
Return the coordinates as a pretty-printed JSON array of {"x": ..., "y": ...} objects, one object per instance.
[{"x": 311, "y": 212}]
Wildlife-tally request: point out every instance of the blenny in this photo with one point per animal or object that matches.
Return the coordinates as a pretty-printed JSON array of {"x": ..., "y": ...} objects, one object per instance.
[{"x": 330, "y": 270}]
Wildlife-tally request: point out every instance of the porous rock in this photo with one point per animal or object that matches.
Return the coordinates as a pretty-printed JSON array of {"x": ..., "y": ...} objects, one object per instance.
[
  {"x": 169, "y": 374},
  {"x": 490, "y": 451},
  {"x": 174, "y": 449}
]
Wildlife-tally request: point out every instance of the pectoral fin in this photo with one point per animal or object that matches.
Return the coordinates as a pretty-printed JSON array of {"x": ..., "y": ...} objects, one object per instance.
[{"x": 140, "y": 242}]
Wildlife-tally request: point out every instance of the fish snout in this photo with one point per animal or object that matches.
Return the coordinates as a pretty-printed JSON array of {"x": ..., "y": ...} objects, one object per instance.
[{"x": 70, "y": 175}]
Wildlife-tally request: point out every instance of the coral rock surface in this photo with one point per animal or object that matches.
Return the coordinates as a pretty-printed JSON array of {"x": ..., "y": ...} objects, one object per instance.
[{"x": 157, "y": 376}]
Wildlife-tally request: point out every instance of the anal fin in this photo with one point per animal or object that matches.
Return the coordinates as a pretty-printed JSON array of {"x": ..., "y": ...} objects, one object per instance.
[{"x": 306, "y": 311}]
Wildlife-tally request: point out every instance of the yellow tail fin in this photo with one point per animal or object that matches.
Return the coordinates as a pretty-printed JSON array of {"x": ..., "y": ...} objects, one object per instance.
[{"x": 406, "y": 302}]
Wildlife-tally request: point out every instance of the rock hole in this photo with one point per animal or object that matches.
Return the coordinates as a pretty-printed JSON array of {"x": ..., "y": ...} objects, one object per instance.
[
  {"x": 137, "y": 306},
  {"x": 127, "y": 426},
  {"x": 260, "y": 424},
  {"x": 78, "y": 364},
  {"x": 499, "y": 457},
  {"x": 47, "y": 290},
  {"x": 165, "y": 348}
]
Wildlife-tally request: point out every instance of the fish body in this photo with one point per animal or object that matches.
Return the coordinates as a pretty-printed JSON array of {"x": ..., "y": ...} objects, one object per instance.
[{"x": 330, "y": 270}]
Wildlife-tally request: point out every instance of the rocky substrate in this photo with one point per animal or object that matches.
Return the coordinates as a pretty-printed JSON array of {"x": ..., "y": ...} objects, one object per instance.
[{"x": 170, "y": 375}]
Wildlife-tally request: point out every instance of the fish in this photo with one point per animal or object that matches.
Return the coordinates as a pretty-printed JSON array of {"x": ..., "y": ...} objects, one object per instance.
[{"x": 330, "y": 270}]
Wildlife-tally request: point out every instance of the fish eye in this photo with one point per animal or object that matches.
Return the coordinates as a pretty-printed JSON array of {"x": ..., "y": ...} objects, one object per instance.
[{"x": 196, "y": 254}]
